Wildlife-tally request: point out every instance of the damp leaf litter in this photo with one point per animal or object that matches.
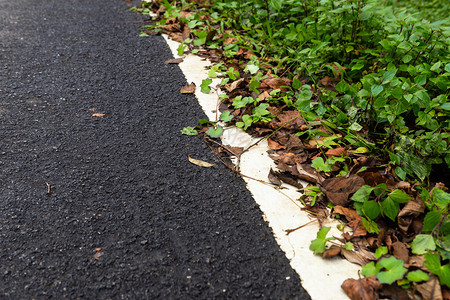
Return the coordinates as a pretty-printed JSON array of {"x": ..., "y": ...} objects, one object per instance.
[{"x": 352, "y": 98}]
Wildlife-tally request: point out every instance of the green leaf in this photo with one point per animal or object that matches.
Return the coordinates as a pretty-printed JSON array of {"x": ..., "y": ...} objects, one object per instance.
[
  {"x": 447, "y": 67},
  {"x": 390, "y": 208},
  {"x": 370, "y": 269},
  {"x": 362, "y": 194},
  {"x": 180, "y": 49},
  {"x": 399, "y": 196},
  {"x": 205, "y": 86},
  {"x": 215, "y": 132},
  {"x": 420, "y": 80},
  {"x": 355, "y": 126},
  {"x": 394, "y": 270},
  {"x": 226, "y": 116},
  {"x": 422, "y": 243},
  {"x": 342, "y": 86},
  {"x": 349, "y": 246},
  {"x": 251, "y": 68},
  {"x": 296, "y": 83},
  {"x": 417, "y": 276},
  {"x": 189, "y": 131},
  {"x": 441, "y": 199},
  {"x": 371, "y": 209},
  {"x": 319, "y": 244},
  {"x": 370, "y": 225},
  {"x": 376, "y": 89},
  {"x": 380, "y": 251},
  {"x": 388, "y": 75},
  {"x": 320, "y": 165},
  {"x": 433, "y": 264},
  {"x": 400, "y": 173},
  {"x": 431, "y": 220}
]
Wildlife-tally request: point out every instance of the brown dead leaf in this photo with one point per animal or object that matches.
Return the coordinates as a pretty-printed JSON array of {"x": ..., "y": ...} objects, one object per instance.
[
  {"x": 264, "y": 96},
  {"x": 400, "y": 251},
  {"x": 230, "y": 40},
  {"x": 291, "y": 120},
  {"x": 230, "y": 87},
  {"x": 200, "y": 163},
  {"x": 274, "y": 145},
  {"x": 361, "y": 289},
  {"x": 287, "y": 158},
  {"x": 188, "y": 89},
  {"x": 393, "y": 292},
  {"x": 336, "y": 152},
  {"x": 339, "y": 189},
  {"x": 430, "y": 290},
  {"x": 294, "y": 143},
  {"x": 286, "y": 177},
  {"x": 409, "y": 213},
  {"x": 273, "y": 178},
  {"x": 332, "y": 252},
  {"x": 416, "y": 261},
  {"x": 174, "y": 61},
  {"x": 354, "y": 221},
  {"x": 361, "y": 257},
  {"x": 98, "y": 115},
  {"x": 275, "y": 83},
  {"x": 327, "y": 81},
  {"x": 97, "y": 255},
  {"x": 308, "y": 173}
]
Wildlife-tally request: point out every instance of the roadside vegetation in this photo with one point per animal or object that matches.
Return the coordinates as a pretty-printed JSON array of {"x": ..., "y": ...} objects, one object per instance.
[{"x": 352, "y": 97}]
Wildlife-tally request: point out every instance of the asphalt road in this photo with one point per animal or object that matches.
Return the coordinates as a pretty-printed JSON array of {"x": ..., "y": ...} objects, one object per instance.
[{"x": 100, "y": 207}]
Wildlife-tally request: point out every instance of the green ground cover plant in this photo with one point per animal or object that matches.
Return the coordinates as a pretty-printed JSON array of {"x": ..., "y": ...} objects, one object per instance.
[{"x": 349, "y": 93}]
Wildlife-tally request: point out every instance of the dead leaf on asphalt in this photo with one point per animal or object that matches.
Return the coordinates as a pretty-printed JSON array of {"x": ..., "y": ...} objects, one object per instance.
[
  {"x": 188, "y": 89},
  {"x": 174, "y": 61},
  {"x": 98, "y": 115},
  {"x": 98, "y": 255},
  {"x": 361, "y": 289},
  {"x": 200, "y": 163}
]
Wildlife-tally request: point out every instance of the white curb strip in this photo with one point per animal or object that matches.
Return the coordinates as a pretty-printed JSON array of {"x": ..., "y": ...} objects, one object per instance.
[{"x": 321, "y": 278}]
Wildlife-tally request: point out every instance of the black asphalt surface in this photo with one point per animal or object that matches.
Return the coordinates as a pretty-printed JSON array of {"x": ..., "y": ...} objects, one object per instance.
[{"x": 127, "y": 216}]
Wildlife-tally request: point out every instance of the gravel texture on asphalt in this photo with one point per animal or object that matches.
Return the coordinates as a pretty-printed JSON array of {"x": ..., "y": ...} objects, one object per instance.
[{"x": 127, "y": 216}]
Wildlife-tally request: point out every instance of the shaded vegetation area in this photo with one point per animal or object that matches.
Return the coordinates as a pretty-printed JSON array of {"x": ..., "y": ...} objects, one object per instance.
[{"x": 352, "y": 96}]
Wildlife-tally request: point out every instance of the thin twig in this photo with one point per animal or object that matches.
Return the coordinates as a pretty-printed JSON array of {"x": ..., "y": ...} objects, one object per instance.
[{"x": 288, "y": 231}]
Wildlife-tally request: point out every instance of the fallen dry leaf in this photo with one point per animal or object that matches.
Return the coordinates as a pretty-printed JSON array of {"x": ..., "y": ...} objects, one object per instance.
[
  {"x": 430, "y": 290},
  {"x": 412, "y": 210},
  {"x": 361, "y": 289},
  {"x": 97, "y": 255},
  {"x": 200, "y": 163},
  {"x": 273, "y": 178},
  {"x": 274, "y": 145},
  {"x": 339, "y": 189},
  {"x": 308, "y": 173},
  {"x": 230, "y": 87},
  {"x": 174, "y": 61},
  {"x": 332, "y": 252},
  {"x": 336, "y": 152},
  {"x": 361, "y": 257},
  {"x": 188, "y": 89},
  {"x": 354, "y": 221},
  {"x": 98, "y": 115},
  {"x": 400, "y": 251}
]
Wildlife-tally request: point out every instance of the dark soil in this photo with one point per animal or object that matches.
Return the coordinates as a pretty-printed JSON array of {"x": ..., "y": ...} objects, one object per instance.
[{"x": 127, "y": 216}]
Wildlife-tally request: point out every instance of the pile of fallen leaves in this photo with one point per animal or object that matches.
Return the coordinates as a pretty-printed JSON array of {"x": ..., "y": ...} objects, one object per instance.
[{"x": 361, "y": 188}]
